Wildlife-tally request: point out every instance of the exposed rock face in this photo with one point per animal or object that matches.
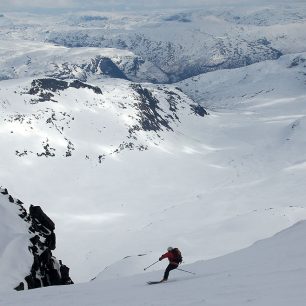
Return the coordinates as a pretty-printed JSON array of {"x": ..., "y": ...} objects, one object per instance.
[
  {"x": 44, "y": 88},
  {"x": 46, "y": 270},
  {"x": 150, "y": 120},
  {"x": 153, "y": 116}
]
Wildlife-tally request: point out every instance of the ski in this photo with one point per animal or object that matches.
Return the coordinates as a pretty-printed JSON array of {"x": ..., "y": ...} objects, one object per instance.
[{"x": 153, "y": 283}]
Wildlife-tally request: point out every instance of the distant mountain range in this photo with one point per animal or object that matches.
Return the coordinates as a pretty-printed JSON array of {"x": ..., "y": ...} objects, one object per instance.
[{"x": 164, "y": 47}]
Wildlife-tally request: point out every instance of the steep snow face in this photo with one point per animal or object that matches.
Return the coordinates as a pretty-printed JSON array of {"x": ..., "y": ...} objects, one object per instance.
[
  {"x": 168, "y": 46},
  {"x": 15, "y": 258},
  {"x": 270, "y": 272}
]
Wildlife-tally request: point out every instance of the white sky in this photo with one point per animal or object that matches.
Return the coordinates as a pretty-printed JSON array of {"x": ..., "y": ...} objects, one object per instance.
[{"x": 12, "y": 5}]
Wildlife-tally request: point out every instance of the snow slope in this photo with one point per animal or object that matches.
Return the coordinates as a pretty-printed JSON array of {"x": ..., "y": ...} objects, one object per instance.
[
  {"x": 15, "y": 258},
  {"x": 270, "y": 272}
]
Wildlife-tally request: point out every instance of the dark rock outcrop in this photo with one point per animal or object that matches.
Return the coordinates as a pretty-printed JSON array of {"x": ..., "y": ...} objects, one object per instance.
[
  {"x": 46, "y": 270},
  {"x": 45, "y": 88},
  {"x": 151, "y": 119},
  {"x": 199, "y": 110},
  {"x": 37, "y": 214}
]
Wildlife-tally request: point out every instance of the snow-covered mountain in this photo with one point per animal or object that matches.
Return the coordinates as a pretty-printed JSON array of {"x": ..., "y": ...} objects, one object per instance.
[
  {"x": 125, "y": 167},
  {"x": 23, "y": 58},
  {"x": 209, "y": 184},
  {"x": 57, "y": 116},
  {"x": 163, "y": 46}
]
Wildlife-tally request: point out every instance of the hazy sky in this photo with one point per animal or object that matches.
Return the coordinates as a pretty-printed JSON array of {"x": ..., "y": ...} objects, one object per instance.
[
  {"x": 42, "y": 5},
  {"x": 95, "y": 4}
]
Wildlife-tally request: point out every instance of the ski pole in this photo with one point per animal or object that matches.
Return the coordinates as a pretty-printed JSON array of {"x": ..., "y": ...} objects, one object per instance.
[
  {"x": 187, "y": 271},
  {"x": 151, "y": 265}
]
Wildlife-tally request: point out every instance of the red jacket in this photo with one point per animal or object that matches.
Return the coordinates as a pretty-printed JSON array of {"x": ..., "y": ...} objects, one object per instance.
[{"x": 170, "y": 256}]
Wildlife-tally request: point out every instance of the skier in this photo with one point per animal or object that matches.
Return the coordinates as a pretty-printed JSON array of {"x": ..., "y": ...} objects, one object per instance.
[{"x": 175, "y": 258}]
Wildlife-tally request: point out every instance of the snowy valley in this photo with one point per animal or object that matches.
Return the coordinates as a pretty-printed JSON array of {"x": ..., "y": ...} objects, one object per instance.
[{"x": 136, "y": 131}]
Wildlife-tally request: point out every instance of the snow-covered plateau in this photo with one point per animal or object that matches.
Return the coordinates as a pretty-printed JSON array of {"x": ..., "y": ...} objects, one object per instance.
[{"x": 137, "y": 131}]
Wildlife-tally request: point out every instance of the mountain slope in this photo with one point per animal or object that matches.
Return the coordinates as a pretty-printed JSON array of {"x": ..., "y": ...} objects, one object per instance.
[
  {"x": 54, "y": 114},
  {"x": 126, "y": 167},
  {"x": 270, "y": 272}
]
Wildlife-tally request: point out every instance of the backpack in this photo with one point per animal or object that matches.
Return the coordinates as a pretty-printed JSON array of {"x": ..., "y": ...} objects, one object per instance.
[{"x": 177, "y": 255}]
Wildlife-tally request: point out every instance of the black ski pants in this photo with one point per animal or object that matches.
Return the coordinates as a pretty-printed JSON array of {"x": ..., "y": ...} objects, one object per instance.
[{"x": 168, "y": 269}]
